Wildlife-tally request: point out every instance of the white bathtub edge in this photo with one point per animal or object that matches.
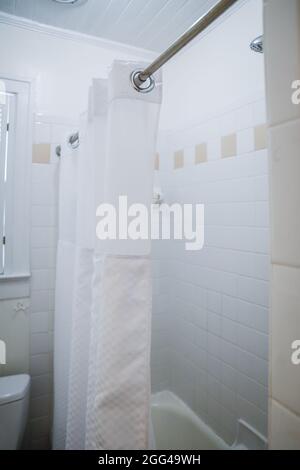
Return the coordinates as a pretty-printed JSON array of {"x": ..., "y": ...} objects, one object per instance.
[{"x": 170, "y": 400}]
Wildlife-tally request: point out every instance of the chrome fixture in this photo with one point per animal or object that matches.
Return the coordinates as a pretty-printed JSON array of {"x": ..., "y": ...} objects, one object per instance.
[
  {"x": 257, "y": 45},
  {"x": 141, "y": 80},
  {"x": 74, "y": 141},
  {"x": 58, "y": 151},
  {"x": 142, "y": 87}
]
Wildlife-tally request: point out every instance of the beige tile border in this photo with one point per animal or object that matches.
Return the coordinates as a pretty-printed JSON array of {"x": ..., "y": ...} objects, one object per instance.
[
  {"x": 229, "y": 146},
  {"x": 178, "y": 159},
  {"x": 260, "y": 137},
  {"x": 157, "y": 162},
  {"x": 201, "y": 153},
  {"x": 41, "y": 153}
]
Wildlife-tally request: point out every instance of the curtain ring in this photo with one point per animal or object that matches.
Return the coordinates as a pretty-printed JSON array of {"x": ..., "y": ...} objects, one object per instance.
[{"x": 73, "y": 141}]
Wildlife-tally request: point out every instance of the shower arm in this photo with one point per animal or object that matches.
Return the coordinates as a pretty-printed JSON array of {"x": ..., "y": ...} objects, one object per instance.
[{"x": 143, "y": 81}]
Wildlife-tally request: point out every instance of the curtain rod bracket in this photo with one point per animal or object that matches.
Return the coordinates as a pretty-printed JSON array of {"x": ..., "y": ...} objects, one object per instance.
[{"x": 142, "y": 83}]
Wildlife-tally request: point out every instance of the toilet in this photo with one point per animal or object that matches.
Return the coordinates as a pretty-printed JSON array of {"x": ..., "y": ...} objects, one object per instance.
[{"x": 14, "y": 402}]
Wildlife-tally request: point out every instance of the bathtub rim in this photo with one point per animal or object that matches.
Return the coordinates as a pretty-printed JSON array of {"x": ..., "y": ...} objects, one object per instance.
[{"x": 168, "y": 399}]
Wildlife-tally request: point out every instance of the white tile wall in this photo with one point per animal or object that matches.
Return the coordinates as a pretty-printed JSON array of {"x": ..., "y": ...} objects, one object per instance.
[
  {"x": 43, "y": 260},
  {"x": 160, "y": 324},
  {"x": 210, "y": 327}
]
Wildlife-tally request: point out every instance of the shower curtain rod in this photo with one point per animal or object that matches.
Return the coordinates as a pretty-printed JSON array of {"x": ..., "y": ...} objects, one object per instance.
[{"x": 143, "y": 81}]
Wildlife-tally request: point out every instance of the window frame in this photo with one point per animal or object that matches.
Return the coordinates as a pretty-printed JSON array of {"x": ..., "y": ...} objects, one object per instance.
[
  {"x": 14, "y": 282},
  {"x": 3, "y": 146}
]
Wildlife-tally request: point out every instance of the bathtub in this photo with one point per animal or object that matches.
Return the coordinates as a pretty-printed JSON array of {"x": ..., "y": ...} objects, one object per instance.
[{"x": 177, "y": 427}]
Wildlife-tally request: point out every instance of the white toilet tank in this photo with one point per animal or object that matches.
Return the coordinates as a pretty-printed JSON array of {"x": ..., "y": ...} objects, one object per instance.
[{"x": 14, "y": 403}]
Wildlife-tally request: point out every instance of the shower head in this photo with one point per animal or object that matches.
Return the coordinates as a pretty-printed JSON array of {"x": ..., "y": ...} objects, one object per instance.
[{"x": 257, "y": 45}]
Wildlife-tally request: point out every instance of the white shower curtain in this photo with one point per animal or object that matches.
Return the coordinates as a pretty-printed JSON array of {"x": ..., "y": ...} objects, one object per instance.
[{"x": 103, "y": 288}]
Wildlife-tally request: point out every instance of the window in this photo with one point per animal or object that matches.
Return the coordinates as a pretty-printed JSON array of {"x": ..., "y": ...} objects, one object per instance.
[
  {"x": 15, "y": 139},
  {"x": 7, "y": 125},
  {"x": 3, "y": 164}
]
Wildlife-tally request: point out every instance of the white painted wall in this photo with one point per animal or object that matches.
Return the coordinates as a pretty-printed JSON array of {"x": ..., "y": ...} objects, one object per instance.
[
  {"x": 63, "y": 68},
  {"x": 14, "y": 331}
]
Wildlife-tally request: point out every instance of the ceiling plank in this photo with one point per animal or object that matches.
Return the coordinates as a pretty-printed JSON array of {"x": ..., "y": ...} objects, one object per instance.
[{"x": 149, "y": 24}]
